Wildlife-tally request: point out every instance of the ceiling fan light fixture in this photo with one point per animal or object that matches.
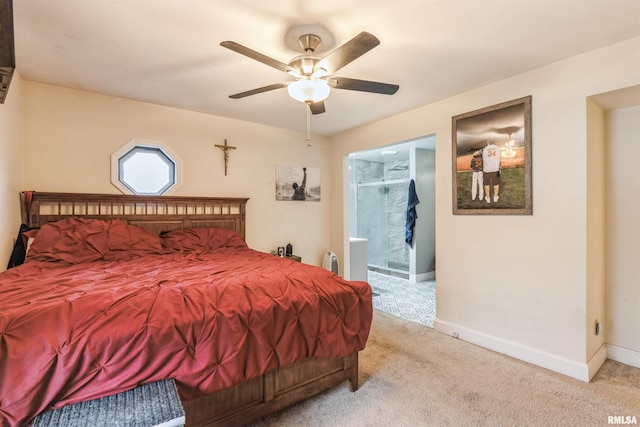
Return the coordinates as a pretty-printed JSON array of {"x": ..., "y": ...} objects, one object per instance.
[
  {"x": 309, "y": 91},
  {"x": 313, "y": 74}
]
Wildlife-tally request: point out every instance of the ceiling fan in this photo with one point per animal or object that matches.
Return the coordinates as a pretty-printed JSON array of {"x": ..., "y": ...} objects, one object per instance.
[{"x": 314, "y": 74}]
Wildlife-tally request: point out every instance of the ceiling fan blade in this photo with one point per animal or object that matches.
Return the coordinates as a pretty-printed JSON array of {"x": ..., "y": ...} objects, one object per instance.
[
  {"x": 258, "y": 90},
  {"x": 351, "y": 50},
  {"x": 365, "y": 86},
  {"x": 243, "y": 50},
  {"x": 317, "y": 107}
]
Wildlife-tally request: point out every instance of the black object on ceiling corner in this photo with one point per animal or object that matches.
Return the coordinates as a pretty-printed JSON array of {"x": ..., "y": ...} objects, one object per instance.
[{"x": 7, "y": 48}]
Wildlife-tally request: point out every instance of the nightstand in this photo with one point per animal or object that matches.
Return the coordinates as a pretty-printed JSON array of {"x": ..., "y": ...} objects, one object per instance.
[{"x": 294, "y": 258}]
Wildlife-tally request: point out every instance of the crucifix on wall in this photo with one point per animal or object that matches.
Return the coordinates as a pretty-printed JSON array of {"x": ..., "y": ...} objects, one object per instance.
[{"x": 226, "y": 149}]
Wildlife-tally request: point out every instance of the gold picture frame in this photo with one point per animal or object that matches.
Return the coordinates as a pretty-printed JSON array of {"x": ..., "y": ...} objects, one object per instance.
[{"x": 492, "y": 154}]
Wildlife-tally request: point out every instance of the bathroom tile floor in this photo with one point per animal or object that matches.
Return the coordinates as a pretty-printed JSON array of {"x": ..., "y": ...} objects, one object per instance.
[{"x": 411, "y": 301}]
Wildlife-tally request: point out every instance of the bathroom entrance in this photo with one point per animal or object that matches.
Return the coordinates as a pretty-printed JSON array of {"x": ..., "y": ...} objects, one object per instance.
[{"x": 379, "y": 194}]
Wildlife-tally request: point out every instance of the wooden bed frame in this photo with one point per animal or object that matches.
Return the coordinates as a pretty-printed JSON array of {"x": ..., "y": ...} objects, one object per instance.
[{"x": 245, "y": 402}]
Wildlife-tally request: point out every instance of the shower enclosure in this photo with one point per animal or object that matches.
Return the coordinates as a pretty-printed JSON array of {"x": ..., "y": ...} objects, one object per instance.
[
  {"x": 380, "y": 192},
  {"x": 378, "y": 195}
]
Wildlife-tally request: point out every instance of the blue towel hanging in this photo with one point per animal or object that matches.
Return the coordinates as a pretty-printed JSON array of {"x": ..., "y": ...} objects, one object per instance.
[{"x": 411, "y": 213}]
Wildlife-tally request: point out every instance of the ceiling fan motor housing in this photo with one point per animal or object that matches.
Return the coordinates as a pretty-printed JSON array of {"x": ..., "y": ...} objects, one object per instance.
[{"x": 305, "y": 64}]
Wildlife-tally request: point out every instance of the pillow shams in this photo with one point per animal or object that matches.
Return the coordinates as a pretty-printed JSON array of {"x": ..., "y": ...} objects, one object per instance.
[
  {"x": 201, "y": 239},
  {"x": 79, "y": 240}
]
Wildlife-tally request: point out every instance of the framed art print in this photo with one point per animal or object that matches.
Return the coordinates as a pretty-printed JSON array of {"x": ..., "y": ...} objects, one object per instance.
[
  {"x": 297, "y": 183},
  {"x": 492, "y": 160}
]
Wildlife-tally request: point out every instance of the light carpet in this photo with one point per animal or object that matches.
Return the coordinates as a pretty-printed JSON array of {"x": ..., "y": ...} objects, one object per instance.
[{"x": 412, "y": 375}]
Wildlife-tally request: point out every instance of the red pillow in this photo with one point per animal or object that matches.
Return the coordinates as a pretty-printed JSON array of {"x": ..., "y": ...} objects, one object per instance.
[
  {"x": 78, "y": 240},
  {"x": 128, "y": 241},
  {"x": 202, "y": 239}
]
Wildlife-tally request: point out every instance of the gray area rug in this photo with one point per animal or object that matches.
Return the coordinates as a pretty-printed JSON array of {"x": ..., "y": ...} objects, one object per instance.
[
  {"x": 153, "y": 404},
  {"x": 412, "y": 375}
]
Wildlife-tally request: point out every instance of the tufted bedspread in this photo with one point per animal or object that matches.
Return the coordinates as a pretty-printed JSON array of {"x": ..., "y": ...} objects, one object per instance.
[{"x": 70, "y": 333}]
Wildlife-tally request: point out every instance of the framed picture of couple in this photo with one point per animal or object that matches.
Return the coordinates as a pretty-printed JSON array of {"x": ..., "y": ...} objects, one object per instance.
[{"x": 492, "y": 160}]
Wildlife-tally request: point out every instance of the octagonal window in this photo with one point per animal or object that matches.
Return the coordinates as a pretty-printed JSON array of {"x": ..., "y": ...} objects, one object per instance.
[{"x": 144, "y": 168}]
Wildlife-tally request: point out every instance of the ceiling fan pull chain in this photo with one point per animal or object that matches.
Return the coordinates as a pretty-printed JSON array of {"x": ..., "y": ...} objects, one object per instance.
[{"x": 308, "y": 125}]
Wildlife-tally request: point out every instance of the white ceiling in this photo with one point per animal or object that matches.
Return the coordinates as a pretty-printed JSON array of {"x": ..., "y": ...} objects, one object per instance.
[{"x": 168, "y": 51}]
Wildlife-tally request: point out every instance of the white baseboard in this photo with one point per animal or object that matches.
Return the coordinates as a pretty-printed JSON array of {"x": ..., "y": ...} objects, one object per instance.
[
  {"x": 597, "y": 360},
  {"x": 543, "y": 359},
  {"x": 422, "y": 277},
  {"x": 623, "y": 355}
]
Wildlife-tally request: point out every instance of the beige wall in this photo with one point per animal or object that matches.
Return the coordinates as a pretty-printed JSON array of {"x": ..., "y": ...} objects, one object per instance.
[
  {"x": 69, "y": 136},
  {"x": 525, "y": 294},
  {"x": 596, "y": 223},
  {"x": 622, "y": 192},
  {"x": 10, "y": 168}
]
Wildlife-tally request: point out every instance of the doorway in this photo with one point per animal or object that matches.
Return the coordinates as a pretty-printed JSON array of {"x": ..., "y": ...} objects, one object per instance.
[
  {"x": 614, "y": 296},
  {"x": 402, "y": 275}
]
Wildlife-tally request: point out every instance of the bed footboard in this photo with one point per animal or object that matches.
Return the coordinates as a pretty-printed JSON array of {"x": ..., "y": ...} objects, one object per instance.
[{"x": 271, "y": 392}]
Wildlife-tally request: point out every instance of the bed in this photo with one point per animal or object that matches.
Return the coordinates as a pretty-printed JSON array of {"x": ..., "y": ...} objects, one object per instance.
[{"x": 119, "y": 291}]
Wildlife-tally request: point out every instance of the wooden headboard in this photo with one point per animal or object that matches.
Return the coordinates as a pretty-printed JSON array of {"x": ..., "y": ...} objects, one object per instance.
[{"x": 157, "y": 213}]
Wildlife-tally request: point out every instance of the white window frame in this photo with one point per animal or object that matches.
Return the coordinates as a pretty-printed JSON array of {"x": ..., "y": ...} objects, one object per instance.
[{"x": 155, "y": 145}]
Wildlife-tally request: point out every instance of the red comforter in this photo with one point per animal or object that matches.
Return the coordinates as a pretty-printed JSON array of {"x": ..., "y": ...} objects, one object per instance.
[{"x": 70, "y": 333}]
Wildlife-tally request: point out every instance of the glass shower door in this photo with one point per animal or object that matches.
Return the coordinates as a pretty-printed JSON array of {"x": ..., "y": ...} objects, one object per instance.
[
  {"x": 371, "y": 224},
  {"x": 381, "y": 216}
]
